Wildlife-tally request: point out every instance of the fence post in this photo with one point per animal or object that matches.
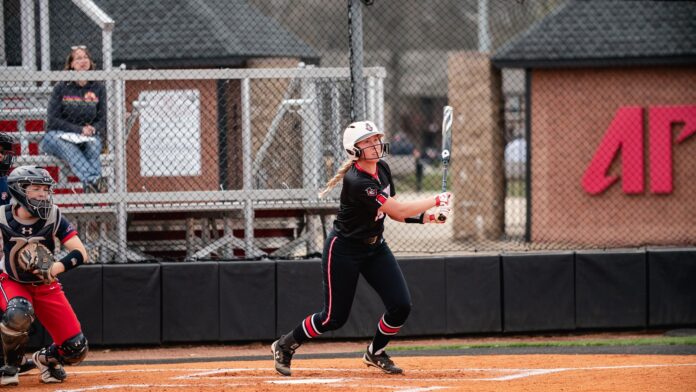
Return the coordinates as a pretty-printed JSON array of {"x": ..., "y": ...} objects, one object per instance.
[
  {"x": 120, "y": 165},
  {"x": 357, "y": 90},
  {"x": 246, "y": 165}
]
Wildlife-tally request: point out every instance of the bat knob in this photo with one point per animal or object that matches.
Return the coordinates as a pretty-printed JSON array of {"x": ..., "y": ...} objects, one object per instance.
[{"x": 441, "y": 218}]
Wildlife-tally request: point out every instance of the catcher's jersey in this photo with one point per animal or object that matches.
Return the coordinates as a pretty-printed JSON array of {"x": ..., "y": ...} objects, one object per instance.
[
  {"x": 16, "y": 233},
  {"x": 362, "y": 195}
]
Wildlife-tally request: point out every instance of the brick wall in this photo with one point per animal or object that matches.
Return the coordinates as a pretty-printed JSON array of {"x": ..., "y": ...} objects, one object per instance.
[{"x": 571, "y": 110}]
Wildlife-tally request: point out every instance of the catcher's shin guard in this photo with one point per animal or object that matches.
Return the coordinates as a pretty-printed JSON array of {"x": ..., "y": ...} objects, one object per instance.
[
  {"x": 73, "y": 350},
  {"x": 14, "y": 330}
]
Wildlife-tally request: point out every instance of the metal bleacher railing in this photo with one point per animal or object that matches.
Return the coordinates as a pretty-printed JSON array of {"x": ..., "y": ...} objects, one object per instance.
[{"x": 314, "y": 95}]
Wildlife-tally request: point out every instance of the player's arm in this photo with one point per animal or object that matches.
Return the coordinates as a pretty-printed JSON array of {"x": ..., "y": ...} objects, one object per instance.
[
  {"x": 416, "y": 211},
  {"x": 75, "y": 243},
  {"x": 400, "y": 210},
  {"x": 77, "y": 255}
]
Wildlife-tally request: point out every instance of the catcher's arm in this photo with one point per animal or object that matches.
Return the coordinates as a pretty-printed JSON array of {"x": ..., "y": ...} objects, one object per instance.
[{"x": 76, "y": 251}]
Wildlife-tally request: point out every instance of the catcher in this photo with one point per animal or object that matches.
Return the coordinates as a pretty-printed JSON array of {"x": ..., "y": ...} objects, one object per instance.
[
  {"x": 29, "y": 227},
  {"x": 8, "y": 144}
]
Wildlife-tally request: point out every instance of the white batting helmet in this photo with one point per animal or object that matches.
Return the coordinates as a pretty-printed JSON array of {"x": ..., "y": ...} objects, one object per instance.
[{"x": 358, "y": 131}]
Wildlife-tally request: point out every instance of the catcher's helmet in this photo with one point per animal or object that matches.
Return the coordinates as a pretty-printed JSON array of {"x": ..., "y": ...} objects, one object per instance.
[
  {"x": 24, "y": 176},
  {"x": 358, "y": 131},
  {"x": 7, "y": 143}
]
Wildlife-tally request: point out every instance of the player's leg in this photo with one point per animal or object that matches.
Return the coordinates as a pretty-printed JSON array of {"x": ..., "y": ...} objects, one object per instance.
[
  {"x": 27, "y": 363},
  {"x": 384, "y": 275},
  {"x": 70, "y": 346},
  {"x": 17, "y": 307},
  {"x": 14, "y": 329},
  {"x": 340, "y": 274},
  {"x": 50, "y": 360}
]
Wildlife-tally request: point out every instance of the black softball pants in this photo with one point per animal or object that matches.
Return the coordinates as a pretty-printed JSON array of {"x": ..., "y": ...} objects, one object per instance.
[{"x": 343, "y": 261}]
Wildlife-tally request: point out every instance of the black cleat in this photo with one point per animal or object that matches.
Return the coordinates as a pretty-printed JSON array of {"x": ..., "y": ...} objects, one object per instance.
[
  {"x": 382, "y": 362},
  {"x": 282, "y": 358}
]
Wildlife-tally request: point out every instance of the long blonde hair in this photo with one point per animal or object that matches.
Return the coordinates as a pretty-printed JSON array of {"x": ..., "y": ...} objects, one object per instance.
[{"x": 337, "y": 177}]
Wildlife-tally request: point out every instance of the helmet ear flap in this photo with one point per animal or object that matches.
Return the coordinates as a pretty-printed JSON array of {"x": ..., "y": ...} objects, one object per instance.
[{"x": 357, "y": 152}]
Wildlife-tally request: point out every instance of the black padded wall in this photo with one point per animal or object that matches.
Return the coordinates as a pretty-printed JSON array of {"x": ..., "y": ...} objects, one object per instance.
[
  {"x": 190, "y": 295},
  {"x": 672, "y": 287},
  {"x": 610, "y": 289},
  {"x": 426, "y": 281},
  {"x": 132, "y": 304},
  {"x": 135, "y": 304},
  {"x": 538, "y": 291},
  {"x": 298, "y": 292},
  {"x": 473, "y": 294},
  {"x": 248, "y": 300},
  {"x": 83, "y": 288}
]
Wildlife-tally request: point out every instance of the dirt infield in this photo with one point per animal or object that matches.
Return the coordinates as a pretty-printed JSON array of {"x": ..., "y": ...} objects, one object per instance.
[
  {"x": 454, "y": 373},
  {"x": 326, "y": 365}
]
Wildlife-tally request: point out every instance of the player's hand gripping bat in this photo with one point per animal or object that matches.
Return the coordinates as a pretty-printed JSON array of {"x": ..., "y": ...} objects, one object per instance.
[{"x": 446, "y": 147}]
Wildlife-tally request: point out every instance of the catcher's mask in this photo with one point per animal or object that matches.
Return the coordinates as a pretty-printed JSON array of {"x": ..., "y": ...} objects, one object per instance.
[
  {"x": 7, "y": 143},
  {"x": 24, "y": 176},
  {"x": 358, "y": 131}
]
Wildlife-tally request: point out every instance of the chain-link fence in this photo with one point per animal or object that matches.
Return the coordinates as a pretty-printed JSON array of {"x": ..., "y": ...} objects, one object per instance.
[{"x": 209, "y": 126}]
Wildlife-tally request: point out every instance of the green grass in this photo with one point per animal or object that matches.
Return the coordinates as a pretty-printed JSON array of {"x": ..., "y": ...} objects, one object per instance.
[{"x": 653, "y": 341}]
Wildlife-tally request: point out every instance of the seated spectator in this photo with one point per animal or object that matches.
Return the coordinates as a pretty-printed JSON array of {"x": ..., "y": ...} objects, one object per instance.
[{"x": 77, "y": 122}]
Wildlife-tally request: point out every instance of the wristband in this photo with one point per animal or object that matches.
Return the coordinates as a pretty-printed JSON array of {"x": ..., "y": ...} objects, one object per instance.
[
  {"x": 72, "y": 260},
  {"x": 415, "y": 219}
]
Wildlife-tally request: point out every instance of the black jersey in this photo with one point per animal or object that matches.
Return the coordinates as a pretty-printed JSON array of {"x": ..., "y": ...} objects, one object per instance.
[
  {"x": 362, "y": 195},
  {"x": 16, "y": 234}
]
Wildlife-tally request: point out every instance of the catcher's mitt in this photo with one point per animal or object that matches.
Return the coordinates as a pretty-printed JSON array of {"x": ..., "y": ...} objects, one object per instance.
[{"x": 38, "y": 259}]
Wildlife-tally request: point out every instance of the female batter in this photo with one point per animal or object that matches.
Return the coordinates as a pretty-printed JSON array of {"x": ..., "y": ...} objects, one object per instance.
[{"x": 355, "y": 246}]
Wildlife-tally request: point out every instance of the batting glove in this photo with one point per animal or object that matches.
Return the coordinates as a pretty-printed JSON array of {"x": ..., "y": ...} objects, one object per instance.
[
  {"x": 443, "y": 199},
  {"x": 443, "y": 213}
]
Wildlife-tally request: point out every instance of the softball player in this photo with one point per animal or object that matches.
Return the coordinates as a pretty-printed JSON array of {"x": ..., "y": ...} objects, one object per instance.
[
  {"x": 355, "y": 246},
  {"x": 32, "y": 217},
  {"x": 7, "y": 158}
]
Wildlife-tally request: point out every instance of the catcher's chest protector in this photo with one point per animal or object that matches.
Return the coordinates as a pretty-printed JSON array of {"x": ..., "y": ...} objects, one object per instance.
[{"x": 15, "y": 235}]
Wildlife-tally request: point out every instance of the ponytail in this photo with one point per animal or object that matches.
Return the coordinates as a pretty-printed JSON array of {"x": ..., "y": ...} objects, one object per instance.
[{"x": 336, "y": 178}]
